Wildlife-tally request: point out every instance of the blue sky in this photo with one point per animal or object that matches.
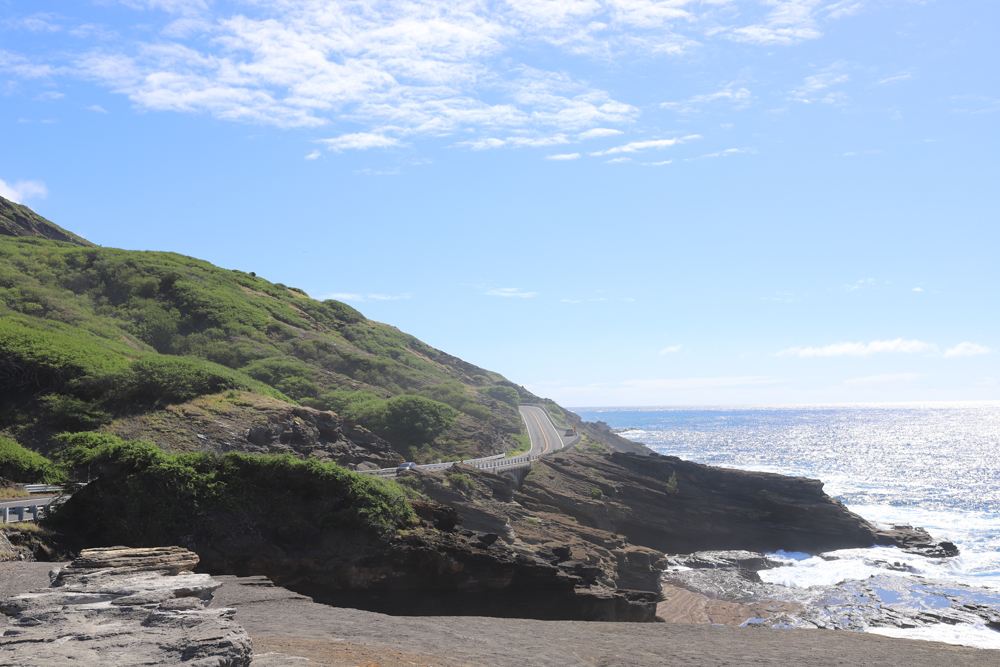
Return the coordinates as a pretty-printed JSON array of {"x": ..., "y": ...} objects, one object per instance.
[{"x": 612, "y": 202}]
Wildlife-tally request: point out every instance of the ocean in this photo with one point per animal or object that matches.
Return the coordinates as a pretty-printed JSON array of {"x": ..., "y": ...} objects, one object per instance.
[{"x": 934, "y": 465}]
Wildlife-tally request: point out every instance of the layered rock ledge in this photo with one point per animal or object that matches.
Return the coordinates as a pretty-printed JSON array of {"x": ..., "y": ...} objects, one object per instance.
[{"x": 123, "y": 607}]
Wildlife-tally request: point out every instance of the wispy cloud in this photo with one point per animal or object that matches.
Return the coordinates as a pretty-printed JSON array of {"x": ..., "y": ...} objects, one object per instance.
[
  {"x": 918, "y": 289},
  {"x": 314, "y": 155},
  {"x": 898, "y": 345},
  {"x": 510, "y": 292},
  {"x": 790, "y": 22},
  {"x": 20, "y": 191},
  {"x": 398, "y": 71},
  {"x": 598, "y": 132},
  {"x": 671, "y": 349},
  {"x": 894, "y": 79},
  {"x": 657, "y": 164},
  {"x": 97, "y": 108},
  {"x": 816, "y": 88},
  {"x": 739, "y": 96},
  {"x": 636, "y": 146},
  {"x": 884, "y": 379},
  {"x": 563, "y": 156},
  {"x": 360, "y": 141},
  {"x": 861, "y": 284},
  {"x": 967, "y": 349}
]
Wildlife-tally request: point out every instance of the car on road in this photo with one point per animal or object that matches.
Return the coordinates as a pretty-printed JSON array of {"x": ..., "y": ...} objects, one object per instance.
[{"x": 405, "y": 466}]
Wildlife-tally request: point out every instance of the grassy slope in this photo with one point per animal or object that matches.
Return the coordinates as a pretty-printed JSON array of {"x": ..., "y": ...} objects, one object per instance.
[{"x": 93, "y": 335}]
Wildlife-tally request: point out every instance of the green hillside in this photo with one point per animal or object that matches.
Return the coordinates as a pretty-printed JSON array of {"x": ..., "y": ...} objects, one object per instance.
[{"x": 91, "y": 338}]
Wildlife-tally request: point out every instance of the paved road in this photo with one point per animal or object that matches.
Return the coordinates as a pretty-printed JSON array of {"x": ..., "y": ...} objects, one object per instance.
[
  {"x": 545, "y": 438},
  {"x": 26, "y": 502}
]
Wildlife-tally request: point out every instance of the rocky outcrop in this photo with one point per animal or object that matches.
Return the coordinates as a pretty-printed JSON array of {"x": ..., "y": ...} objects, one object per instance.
[
  {"x": 505, "y": 563},
  {"x": 120, "y": 606},
  {"x": 916, "y": 541},
  {"x": 258, "y": 425},
  {"x": 676, "y": 506},
  {"x": 324, "y": 436}
]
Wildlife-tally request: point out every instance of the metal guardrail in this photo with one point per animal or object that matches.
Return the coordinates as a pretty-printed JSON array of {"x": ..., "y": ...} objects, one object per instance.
[
  {"x": 437, "y": 466},
  {"x": 36, "y": 512},
  {"x": 42, "y": 488}
]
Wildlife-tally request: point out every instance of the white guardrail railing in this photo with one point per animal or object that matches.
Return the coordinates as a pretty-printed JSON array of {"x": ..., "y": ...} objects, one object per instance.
[
  {"x": 487, "y": 463},
  {"x": 17, "y": 514}
]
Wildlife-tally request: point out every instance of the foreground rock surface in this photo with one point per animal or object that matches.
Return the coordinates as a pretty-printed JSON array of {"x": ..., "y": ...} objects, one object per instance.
[
  {"x": 291, "y": 630},
  {"x": 120, "y": 606}
]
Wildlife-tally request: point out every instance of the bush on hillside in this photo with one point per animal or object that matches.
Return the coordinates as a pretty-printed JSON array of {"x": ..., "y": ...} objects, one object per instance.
[
  {"x": 503, "y": 393},
  {"x": 25, "y": 466},
  {"x": 144, "y": 497},
  {"x": 407, "y": 421}
]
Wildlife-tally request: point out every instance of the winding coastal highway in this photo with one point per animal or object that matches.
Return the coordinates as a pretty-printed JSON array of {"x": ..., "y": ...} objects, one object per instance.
[{"x": 545, "y": 437}]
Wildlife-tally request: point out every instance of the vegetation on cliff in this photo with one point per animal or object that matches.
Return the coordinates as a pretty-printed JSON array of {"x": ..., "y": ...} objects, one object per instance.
[
  {"x": 91, "y": 336},
  {"x": 144, "y": 497}
]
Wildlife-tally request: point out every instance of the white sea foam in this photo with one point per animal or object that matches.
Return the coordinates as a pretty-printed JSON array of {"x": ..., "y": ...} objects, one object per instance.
[{"x": 976, "y": 636}]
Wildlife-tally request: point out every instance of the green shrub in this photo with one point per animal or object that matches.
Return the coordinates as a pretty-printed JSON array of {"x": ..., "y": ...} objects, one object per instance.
[
  {"x": 144, "y": 497},
  {"x": 671, "y": 487},
  {"x": 23, "y": 465},
  {"x": 406, "y": 420},
  {"x": 459, "y": 480},
  {"x": 596, "y": 494},
  {"x": 503, "y": 393}
]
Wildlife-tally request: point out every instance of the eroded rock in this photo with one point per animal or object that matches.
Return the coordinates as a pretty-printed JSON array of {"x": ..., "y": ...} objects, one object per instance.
[{"x": 123, "y": 607}]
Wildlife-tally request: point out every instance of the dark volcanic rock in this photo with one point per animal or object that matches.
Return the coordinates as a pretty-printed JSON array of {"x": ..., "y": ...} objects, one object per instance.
[
  {"x": 324, "y": 436},
  {"x": 706, "y": 508},
  {"x": 916, "y": 541},
  {"x": 435, "y": 568}
]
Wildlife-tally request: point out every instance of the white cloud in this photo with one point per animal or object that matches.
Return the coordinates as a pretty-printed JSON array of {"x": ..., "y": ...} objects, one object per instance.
[
  {"x": 19, "y": 191},
  {"x": 815, "y": 88},
  {"x": 510, "y": 292},
  {"x": 861, "y": 284},
  {"x": 671, "y": 349},
  {"x": 966, "y": 349},
  {"x": 898, "y": 345},
  {"x": 598, "y": 132},
  {"x": 314, "y": 155},
  {"x": 637, "y": 146},
  {"x": 49, "y": 96},
  {"x": 842, "y": 9},
  {"x": 420, "y": 68},
  {"x": 97, "y": 108},
  {"x": 740, "y": 96},
  {"x": 360, "y": 141},
  {"x": 918, "y": 289},
  {"x": 884, "y": 379},
  {"x": 618, "y": 160},
  {"x": 894, "y": 79},
  {"x": 657, "y": 164},
  {"x": 515, "y": 142},
  {"x": 727, "y": 152},
  {"x": 790, "y": 22},
  {"x": 563, "y": 156}
]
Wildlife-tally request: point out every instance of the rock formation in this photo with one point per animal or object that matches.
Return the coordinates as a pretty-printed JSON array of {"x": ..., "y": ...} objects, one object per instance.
[
  {"x": 481, "y": 554},
  {"x": 676, "y": 506},
  {"x": 122, "y": 607}
]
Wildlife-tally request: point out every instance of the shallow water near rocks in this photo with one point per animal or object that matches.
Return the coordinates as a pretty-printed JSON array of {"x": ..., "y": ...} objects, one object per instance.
[{"x": 935, "y": 465}]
